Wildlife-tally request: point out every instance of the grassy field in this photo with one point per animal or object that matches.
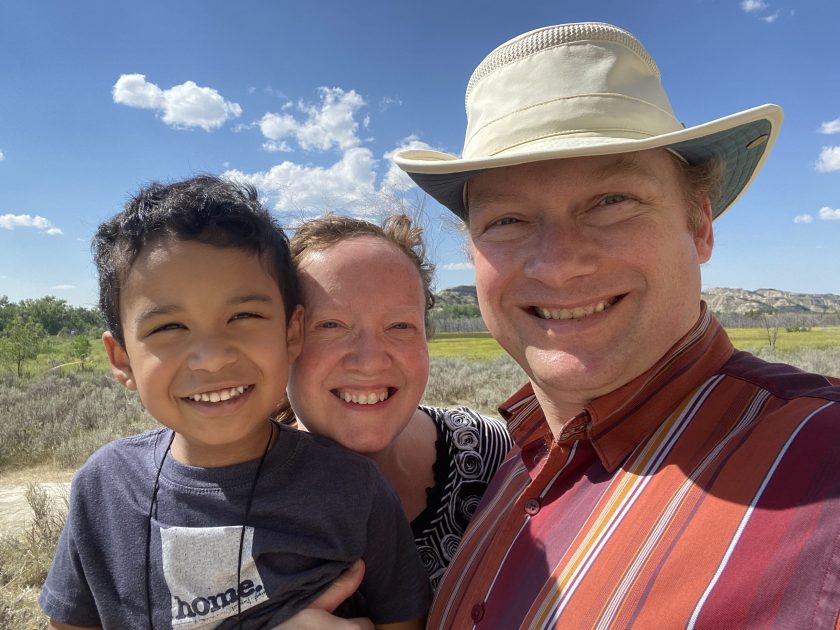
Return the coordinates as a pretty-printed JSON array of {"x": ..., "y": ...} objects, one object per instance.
[{"x": 481, "y": 346}]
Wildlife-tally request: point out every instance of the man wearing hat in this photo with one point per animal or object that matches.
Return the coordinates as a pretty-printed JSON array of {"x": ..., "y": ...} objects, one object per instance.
[{"x": 661, "y": 479}]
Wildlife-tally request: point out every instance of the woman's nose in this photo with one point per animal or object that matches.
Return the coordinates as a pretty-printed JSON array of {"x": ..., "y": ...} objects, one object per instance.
[{"x": 368, "y": 354}]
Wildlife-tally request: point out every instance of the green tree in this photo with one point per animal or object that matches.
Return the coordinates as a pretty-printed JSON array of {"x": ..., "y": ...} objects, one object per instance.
[
  {"x": 81, "y": 348},
  {"x": 21, "y": 340}
]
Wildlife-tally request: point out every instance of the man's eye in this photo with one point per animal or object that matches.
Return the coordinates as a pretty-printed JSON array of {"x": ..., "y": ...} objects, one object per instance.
[
  {"x": 328, "y": 325},
  {"x": 610, "y": 200},
  {"x": 506, "y": 221},
  {"x": 401, "y": 326}
]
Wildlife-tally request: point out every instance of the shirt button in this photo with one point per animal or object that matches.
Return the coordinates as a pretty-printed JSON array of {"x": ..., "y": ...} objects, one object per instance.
[
  {"x": 532, "y": 506},
  {"x": 477, "y": 612}
]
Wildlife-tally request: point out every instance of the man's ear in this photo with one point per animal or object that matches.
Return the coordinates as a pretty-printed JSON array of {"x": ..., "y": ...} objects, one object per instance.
[
  {"x": 704, "y": 236},
  {"x": 294, "y": 334},
  {"x": 120, "y": 363}
]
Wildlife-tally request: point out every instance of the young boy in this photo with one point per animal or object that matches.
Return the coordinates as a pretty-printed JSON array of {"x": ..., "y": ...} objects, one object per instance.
[{"x": 221, "y": 518}]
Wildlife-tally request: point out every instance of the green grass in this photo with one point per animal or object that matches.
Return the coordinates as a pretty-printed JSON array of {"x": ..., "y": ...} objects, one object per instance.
[
  {"x": 817, "y": 337},
  {"x": 471, "y": 346}
]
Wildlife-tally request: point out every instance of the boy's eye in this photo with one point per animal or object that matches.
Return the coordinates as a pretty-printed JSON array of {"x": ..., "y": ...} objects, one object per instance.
[
  {"x": 246, "y": 316},
  {"x": 165, "y": 327}
]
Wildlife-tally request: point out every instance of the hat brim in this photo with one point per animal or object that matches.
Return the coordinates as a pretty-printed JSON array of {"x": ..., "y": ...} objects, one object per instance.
[{"x": 741, "y": 142}]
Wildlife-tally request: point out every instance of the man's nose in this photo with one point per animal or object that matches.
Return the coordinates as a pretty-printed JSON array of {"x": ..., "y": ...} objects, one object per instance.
[{"x": 561, "y": 251}]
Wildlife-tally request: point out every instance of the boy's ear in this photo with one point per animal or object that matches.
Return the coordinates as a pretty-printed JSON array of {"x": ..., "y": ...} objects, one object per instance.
[
  {"x": 294, "y": 334},
  {"x": 120, "y": 364}
]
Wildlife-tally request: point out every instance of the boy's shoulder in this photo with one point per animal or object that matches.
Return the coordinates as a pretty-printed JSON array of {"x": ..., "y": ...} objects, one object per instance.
[
  {"x": 323, "y": 458},
  {"x": 131, "y": 456}
]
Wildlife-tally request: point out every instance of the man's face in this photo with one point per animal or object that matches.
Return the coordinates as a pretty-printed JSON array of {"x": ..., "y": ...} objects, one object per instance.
[{"x": 586, "y": 270}]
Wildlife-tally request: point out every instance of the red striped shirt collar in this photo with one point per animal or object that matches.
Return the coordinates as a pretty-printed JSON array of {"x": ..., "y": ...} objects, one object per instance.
[{"x": 616, "y": 424}]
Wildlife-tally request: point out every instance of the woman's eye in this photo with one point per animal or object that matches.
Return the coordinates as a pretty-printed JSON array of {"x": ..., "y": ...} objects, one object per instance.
[{"x": 610, "y": 200}]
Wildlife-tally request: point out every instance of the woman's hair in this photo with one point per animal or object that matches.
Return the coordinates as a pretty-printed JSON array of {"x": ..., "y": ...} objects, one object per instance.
[{"x": 397, "y": 229}]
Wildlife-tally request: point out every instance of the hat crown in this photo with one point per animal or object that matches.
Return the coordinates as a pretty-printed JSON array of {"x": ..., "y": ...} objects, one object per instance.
[{"x": 570, "y": 83}]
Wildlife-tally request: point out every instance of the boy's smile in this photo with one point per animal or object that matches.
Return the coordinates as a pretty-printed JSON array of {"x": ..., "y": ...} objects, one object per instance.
[{"x": 205, "y": 347}]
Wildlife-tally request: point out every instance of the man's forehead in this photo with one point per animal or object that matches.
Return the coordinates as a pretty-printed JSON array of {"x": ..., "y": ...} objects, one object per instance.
[{"x": 500, "y": 184}]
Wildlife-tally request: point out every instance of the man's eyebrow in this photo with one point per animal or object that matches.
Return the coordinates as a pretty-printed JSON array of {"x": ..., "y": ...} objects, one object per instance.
[
  {"x": 485, "y": 197},
  {"x": 625, "y": 164}
]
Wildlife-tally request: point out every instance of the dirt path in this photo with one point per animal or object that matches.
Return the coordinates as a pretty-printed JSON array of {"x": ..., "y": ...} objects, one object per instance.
[{"x": 14, "y": 510}]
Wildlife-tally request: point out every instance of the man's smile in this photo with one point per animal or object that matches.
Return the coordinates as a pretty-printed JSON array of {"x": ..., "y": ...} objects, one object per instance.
[{"x": 577, "y": 312}]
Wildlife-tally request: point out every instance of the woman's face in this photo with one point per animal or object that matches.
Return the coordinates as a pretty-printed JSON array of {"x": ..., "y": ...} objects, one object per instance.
[{"x": 364, "y": 363}]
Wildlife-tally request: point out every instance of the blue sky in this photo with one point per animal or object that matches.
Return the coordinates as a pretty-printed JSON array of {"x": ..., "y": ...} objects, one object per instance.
[{"x": 308, "y": 100}]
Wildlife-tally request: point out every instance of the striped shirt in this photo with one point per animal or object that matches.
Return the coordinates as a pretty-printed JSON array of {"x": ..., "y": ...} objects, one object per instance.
[{"x": 703, "y": 494}]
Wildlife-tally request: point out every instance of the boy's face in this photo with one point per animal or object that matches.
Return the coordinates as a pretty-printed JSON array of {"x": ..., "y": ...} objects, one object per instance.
[{"x": 206, "y": 347}]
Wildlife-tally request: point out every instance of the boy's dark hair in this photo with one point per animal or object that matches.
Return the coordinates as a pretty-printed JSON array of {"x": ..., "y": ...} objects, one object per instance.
[{"x": 205, "y": 209}]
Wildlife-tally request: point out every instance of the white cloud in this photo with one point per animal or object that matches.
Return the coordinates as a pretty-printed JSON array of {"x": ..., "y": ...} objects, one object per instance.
[
  {"x": 273, "y": 146},
  {"x": 386, "y": 101},
  {"x": 63, "y": 287},
  {"x": 396, "y": 179},
  {"x": 330, "y": 123},
  {"x": 830, "y": 214},
  {"x": 2, "y": 155},
  {"x": 753, "y": 6},
  {"x": 830, "y": 126},
  {"x": 349, "y": 184},
  {"x": 803, "y": 218},
  {"x": 459, "y": 266},
  {"x": 770, "y": 18},
  {"x": 12, "y": 221},
  {"x": 182, "y": 106},
  {"x": 829, "y": 160}
]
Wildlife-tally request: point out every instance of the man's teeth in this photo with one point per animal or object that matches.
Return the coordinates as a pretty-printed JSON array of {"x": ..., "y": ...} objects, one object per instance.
[
  {"x": 219, "y": 395},
  {"x": 364, "y": 399},
  {"x": 573, "y": 313}
]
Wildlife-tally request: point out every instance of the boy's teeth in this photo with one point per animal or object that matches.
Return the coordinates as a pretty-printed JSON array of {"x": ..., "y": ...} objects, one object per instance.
[
  {"x": 573, "y": 313},
  {"x": 363, "y": 399},
  {"x": 219, "y": 395}
]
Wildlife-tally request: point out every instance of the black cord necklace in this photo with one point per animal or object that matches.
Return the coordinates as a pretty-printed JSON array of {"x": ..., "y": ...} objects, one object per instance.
[{"x": 153, "y": 504}]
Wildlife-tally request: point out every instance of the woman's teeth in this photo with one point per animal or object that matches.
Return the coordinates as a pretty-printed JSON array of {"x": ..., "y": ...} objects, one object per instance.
[
  {"x": 219, "y": 395},
  {"x": 363, "y": 399}
]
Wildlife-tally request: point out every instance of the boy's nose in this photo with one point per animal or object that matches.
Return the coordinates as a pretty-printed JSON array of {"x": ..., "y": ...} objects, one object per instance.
[{"x": 211, "y": 354}]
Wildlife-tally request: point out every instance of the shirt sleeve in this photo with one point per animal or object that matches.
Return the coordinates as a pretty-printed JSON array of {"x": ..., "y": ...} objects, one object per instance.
[
  {"x": 66, "y": 595},
  {"x": 396, "y": 586}
]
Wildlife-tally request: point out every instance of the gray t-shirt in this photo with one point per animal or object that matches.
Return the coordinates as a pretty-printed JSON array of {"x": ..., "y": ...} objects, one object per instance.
[{"x": 317, "y": 508}]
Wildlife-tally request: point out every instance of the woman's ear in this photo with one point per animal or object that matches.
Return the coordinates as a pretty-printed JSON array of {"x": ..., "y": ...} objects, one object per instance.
[{"x": 119, "y": 361}]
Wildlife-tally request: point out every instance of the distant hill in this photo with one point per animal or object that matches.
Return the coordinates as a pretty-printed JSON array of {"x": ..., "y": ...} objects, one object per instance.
[{"x": 720, "y": 300}]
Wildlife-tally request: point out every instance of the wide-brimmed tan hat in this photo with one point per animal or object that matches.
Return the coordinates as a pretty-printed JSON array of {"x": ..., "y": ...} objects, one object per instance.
[{"x": 583, "y": 89}]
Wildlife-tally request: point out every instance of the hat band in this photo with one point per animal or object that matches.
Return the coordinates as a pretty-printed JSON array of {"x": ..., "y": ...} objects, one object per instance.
[{"x": 601, "y": 117}]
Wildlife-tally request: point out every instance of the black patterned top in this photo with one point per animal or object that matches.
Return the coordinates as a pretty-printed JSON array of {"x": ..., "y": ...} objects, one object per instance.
[{"x": 469, "y": 449}]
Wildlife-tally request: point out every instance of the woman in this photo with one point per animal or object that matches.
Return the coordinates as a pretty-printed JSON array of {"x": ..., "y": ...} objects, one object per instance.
[{"x": 364, "y": 367}]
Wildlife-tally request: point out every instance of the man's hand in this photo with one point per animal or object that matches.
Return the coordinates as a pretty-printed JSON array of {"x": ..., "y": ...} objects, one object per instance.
[{"x": 317, "y": 615}]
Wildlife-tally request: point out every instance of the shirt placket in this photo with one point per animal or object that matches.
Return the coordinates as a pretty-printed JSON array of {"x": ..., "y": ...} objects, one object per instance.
[{"x": 545, "y": 463}]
